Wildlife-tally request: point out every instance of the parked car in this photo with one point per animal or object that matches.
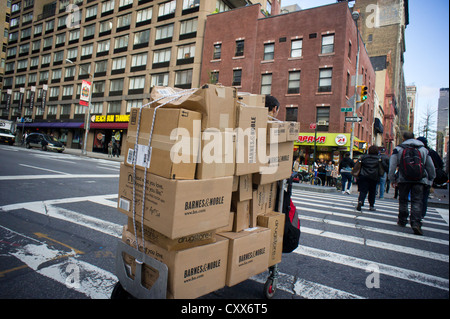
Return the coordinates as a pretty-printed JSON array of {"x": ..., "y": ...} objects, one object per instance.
[{"x": 44, "y": 141}]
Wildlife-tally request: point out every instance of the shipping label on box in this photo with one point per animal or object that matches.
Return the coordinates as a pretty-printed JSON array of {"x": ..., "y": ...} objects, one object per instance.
[
  {"x": 192, "y": 272},
  {"x": 173, "y": 152},
  {"x": 276, "y": 132},
  {"x": 176, "y": 208},
  {"x": 275, "y": 222},
  {"x": 248, "y": 254},
  {"x": 292, "y": 130}
]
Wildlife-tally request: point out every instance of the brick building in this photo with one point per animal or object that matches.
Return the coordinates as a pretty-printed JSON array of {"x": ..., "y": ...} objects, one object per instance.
[
  {"x": 123, "y": 46},
  {"x": 304, "y": 58}
]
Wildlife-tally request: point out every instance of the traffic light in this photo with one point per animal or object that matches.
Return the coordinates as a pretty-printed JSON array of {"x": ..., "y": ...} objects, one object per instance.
[{"x": 364, "y": 90}]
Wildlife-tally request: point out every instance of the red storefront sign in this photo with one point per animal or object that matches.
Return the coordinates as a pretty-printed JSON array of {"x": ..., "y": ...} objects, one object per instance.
[{"x": 310, "y": 139}]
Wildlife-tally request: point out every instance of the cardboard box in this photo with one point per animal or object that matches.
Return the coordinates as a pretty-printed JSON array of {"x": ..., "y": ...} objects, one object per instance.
[
  {"x": 275, "y": 222},
  {"x": 279, "y": 165},
  {"x": 244, "y": 190},
  {"x": 247, "y": 254},
  {"x": 215, "y": 103},
  {"x": 241, "y": 214},
  {"x": 176, "y": 208},
  {"x": 258, "y": 100},
  {"x": 217, "y": 154},
  {"x": 192, "y": 272},
  {"x": 228, "y": 227},
  {"x": 292, "y": 130},
  {"x": 168, "y": 244},
  {"x": 174, "y": 145},
  {"x": 235, "y": 183},
  {"x": 251, "y": 122},
  {"x": 271, "y": 190},
  {"x": 276, "y": 132}
]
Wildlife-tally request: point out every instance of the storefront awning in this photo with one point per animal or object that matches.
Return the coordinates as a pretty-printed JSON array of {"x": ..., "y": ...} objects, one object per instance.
[
  {"x": 110, "y": 126},
  {"x": 52, "y": 124}
]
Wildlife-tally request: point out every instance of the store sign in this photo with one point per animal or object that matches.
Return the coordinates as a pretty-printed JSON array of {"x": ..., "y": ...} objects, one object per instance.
[
  {"x": 310, "y": 139},
  {"x": 341, "y": 139},
  {"x": 324, "y": 139},
  {"x": 113, "y": 118}
]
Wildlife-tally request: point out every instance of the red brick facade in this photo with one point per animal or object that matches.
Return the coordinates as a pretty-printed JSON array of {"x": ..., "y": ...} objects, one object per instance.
[{"x": 278, "y": 32}]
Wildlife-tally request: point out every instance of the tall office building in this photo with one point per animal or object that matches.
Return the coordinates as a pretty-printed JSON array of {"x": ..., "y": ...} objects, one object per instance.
[
  {"x": 442, "y": 122},
  {"x": 123, "y": 46}
]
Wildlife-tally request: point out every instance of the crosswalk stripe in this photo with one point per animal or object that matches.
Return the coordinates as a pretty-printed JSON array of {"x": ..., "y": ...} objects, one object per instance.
[
  {"x": 376, "y": 244},
  {"x": 374, "y": 229},
  {"x": 393, "y": 271}
]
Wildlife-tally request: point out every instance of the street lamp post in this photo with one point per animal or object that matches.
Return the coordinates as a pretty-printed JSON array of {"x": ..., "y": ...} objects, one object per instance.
[
  {"x": 87, "y": 115},
  {"x": 355, "y": 16}
]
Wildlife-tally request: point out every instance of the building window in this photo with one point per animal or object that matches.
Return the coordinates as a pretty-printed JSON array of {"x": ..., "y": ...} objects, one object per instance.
[
  {"x": 101, "y": 66},
  {"x": 119, "y": 63},
  {"x": 72, "y": 53},
  {"x": 38, "y": 29},
  {"x": 266, "y": 84},
  {"x": 167, "y": 8},
  {"x": 294, "y": 82},
  {"x": 116, "y": 85},
  {"x": 239, "y": 48},
  {"x": 144, "y": 15},
  {"x": 48, "y": 42},
  {"x": 347, "y": 86},
  {"x": 142, "y": 37},
  {"x": 269, "y": 49},
  {"x": 69, "y": 72},
  {"x": 188, "y": 28},
  {"x": 292, "y": 114},
  {"x": 60, "y": 38},
  {"x": 183, "y": 79},
  {"x": 56, "y": 74},
  {"x": 58, "y": 56},
  {"x": 121, "y": 42},
  {"x": 105, "y": 27},
  {"x": 98, "y": 87},
  {"x": 296, "y": 48},
  {"x": 114, "y": 107},
  {"x": 349, "y": 50},
  {"x": 67, "y": 90},
  {"x": 164, "y": 33},
  {"x": 103, "y": 46},
  {"x": 107, "y": 6},
  {"x": 161, "y": 79},
  {"x": 217, "y": 51},
  {"x": 89, "y": 30},
  {"x": 328, "y": 43},
  {"x": 237, "y": 77},
  {"x": 54, "y": 92},
  {"x": 189, "y": 4},
  {"x": 84, "y": 69},
  {"x": 97, "y": 108},
  {"x": 162, "y": 56},
  {"x": 323, "y": 118},
  {"x": 325, "y": 76},
  {"x": 186, "y": 52},
  {"x": 87, "y": 49},
  {"x": 137, "y": 82},
  {"x": 139, "y": 59},
  {"x": 133, "y": 103},
  {"x": 214, "y": 77},
  {"x": 124, "y": 21},
  {"x": 91, "y": 11},
  {"x": 74, "y": 35}
]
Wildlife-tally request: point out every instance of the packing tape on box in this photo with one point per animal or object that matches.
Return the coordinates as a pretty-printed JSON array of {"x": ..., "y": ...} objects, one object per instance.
[{"x": 171, "y": 97}]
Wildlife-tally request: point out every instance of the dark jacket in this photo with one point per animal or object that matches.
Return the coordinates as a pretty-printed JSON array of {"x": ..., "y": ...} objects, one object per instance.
[
  {"x": 346, "y": 165},
  {"x": 370, "y": 166}
]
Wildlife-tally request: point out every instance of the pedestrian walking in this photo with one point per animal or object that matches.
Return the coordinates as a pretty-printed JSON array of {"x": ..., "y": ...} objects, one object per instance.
[
  {"x": 372, "y": 167},
  {"x": 381, "y": 186},
  {"x": 415, "y": 171},
  {"x": 438, "y": 164},
  {"x": 345, "y": 168},
  {"x": 328, "y": 172},
  {"x": 110, "y": 148},
  {"x": 321, "y": 171}
]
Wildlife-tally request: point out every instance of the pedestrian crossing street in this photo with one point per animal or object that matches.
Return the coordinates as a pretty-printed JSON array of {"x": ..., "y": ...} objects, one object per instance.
[
  {"x": 343, "y": 254},
  {"x": 344, "y": 243}
]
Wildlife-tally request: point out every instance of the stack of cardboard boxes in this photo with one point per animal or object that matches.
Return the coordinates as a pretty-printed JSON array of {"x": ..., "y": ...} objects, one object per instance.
[{"x": 208, "y": 210}]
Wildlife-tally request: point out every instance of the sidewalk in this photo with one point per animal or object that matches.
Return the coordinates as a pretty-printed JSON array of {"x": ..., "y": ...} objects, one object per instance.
[
  {"x": 438, "y": 199},
  {"x": 77, "y": 152}
]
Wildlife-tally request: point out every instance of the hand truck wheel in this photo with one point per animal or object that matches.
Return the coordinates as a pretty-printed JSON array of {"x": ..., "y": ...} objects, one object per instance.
[{"x": 269, "y": 288}]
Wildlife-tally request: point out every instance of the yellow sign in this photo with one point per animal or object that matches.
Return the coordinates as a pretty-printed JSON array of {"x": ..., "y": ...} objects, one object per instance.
[
  {"x": 330, "y": 139},
  {"x": 113, "y": 118}
]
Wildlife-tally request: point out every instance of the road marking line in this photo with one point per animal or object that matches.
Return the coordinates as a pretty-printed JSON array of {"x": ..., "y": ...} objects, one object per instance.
[
  {"x": 44, "y": 169},
  {"x": 40, "y": 235},
  {"x": 71, "y": 176},
  {"x": 393, "y": 271},
  {"x": 376, "y": 244}
]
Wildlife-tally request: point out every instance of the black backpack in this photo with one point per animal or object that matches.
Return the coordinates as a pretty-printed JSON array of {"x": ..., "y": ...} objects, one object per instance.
[
  {"x": 411, "y": 163},
  {"x": 292, "y": 222}
]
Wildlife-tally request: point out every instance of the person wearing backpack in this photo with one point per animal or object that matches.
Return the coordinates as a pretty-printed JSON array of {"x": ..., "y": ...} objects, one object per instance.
[
  {"x": 415, "y": 171},
  {"x": 438, "y": 165},
  {"x": 345, "y": 169}
]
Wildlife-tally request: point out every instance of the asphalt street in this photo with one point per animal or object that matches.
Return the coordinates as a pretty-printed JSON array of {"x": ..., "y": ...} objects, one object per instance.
[{"x": 59, "y": 229}]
